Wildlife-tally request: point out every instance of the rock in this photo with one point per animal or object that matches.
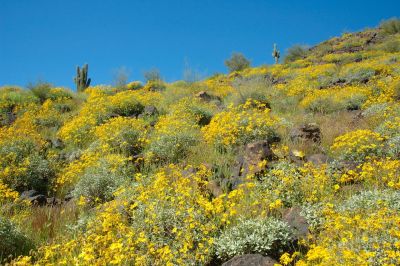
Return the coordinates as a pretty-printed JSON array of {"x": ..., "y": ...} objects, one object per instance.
[
  {"x": 38, "y": 200},
  {"x": 306, "y": 132},
  {"x": 250, "y": 260},
  {"x": 204, "y": 96},
  {"x": 214, "y": 188},
  {"x": 33, "y": 197},
  {"x": 28, "y": 194},
  {"x": 207, "y": 97},
  {"x": 74, "y": 155},
  {"x": 68, "y": 197},
  {"x": 252, "y": 162},
  {"x": 57, "y": 143},
  {"x": 297, "y": 222},
  {"x": 255, "y": 154},
  {"x": 296, "y": 156},
  {"x": 53, "y": 201},
  {"x": 345, "y": 166},
  {"x": 10, "y": 117},
  {"x": 149, "y": 110},
  {"x": 317, "y": 159}
]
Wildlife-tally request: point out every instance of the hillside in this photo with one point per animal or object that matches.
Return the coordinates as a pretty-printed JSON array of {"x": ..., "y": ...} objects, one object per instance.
[{"x": 297, "y": 163}]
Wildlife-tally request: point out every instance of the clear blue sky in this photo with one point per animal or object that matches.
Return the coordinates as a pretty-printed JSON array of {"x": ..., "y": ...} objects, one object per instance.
[{"x": 47, "y": 39}]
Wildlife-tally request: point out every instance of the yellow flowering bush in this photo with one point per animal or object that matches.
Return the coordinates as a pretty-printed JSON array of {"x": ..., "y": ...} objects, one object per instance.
[
  {"x": 240, "y": 125},
  {"x": 122, "y": 134},
  {"x": 175, "y": 133},
  {"x": 335, "y": 99},
  {"x": 89, "y": 159},
  {"x": 357, "y": 145},
  {"x": 22, "y": 165},
  {"x": 364, "y": 231},
  {"x": 165, "y": 219}
]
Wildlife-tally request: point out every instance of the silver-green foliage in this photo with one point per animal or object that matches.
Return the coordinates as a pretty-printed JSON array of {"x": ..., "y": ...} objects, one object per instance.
[
  {"x": 173, "y": 147},
  {"x": 261, "y": 235},
  {"x": 13, "y": 241},
  {"x": 98, "y": 183},
  {"x": 371, "y": 201}
]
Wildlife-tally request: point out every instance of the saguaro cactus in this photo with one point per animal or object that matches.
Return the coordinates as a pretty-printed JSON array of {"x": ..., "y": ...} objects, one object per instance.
[
  {"x": 81, "y": 79},
  {"x": 276, "y": 54}
]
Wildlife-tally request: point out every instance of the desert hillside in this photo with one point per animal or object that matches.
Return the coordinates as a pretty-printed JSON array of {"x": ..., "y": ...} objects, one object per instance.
[{"x": 295, "y": 163}]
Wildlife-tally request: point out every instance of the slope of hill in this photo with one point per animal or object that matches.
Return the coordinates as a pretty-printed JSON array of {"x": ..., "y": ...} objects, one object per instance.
[{"x": 298, "y": 162}]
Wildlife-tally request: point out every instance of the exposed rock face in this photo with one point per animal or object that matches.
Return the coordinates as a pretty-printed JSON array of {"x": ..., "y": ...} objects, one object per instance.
[
  {"x": 298, "y": 222},
  {"x": 251, "y": 163},
  {"x": 33, "y": 197},
  {"x": 205, "y": 96},
  {"x": 306, "y": 132},
  {"x": 8, "y": 118},
  {"x": 255, "y": 154},
  {"x": 149, "y": 110},
  {"x": 250, "y": 260}
]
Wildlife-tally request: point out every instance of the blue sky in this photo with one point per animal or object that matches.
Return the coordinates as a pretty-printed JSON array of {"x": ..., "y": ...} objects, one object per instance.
[{"x": 47, "y": 39}]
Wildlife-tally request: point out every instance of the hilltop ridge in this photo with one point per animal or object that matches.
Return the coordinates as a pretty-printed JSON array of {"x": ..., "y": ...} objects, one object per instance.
[{"x": 296, "y": 163}]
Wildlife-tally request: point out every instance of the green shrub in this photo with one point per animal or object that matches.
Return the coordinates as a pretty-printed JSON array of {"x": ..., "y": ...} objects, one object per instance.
[
  {"x": 13, "y": 241},
  {"x": 392, "y": 46},
  {"x": 11, "y": 97},
  {"x": 290, "y": 194},
  {"x": 237, "y": 62},
  {"x": 98, "y": 183},
  {"x": 262, "y": 235},
  {"x": 358, "y": 75},
  {"x": 155, "y": 85},
  {"x": 59, "y": 93},
  {"x": 296, "y": 52},
  {"x": 29, "y": 170},
  {"x": 258, "y": 87},
  {"x": 391, "y": 26},
  {"x": 371, "y": 201},
  {"x": 127, "y": 107},
  {"x": 313, "y": 214},
  {"x": 41, "y": 90},
  {"x": 393, "y": 147},
  {"x": 173, "y": 147}
]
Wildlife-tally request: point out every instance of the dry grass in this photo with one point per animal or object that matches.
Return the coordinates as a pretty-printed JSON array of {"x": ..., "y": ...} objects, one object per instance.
[{"x": 48, "y": 223}]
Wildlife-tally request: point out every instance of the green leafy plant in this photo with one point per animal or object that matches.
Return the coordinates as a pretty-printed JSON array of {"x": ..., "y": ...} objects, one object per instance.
[
  {"x": 237, "y": 62},
  {"x": 13, "y": 241},
  {"x": 296, "y": 52},
  {"x": 98, "y": 183},
  {"x": 391, "y": 26}
]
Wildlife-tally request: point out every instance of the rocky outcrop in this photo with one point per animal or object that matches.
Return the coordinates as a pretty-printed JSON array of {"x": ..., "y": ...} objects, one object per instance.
[{"x": 306, "y": 132}]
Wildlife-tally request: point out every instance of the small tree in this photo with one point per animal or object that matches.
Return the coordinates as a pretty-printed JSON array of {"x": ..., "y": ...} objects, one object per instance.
[
  {"x": 40, "y": 89},
  {"x": 152, "y": 75},
  {"x": 237, "y": 62},
  {"x": 296, "y": 52},
  {"x": 391, "y": 26},
  {"x": 121, "y": 76}
]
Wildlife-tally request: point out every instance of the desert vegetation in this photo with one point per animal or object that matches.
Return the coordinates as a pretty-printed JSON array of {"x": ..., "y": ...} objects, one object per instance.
[{"x": 295, "y": 163}]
